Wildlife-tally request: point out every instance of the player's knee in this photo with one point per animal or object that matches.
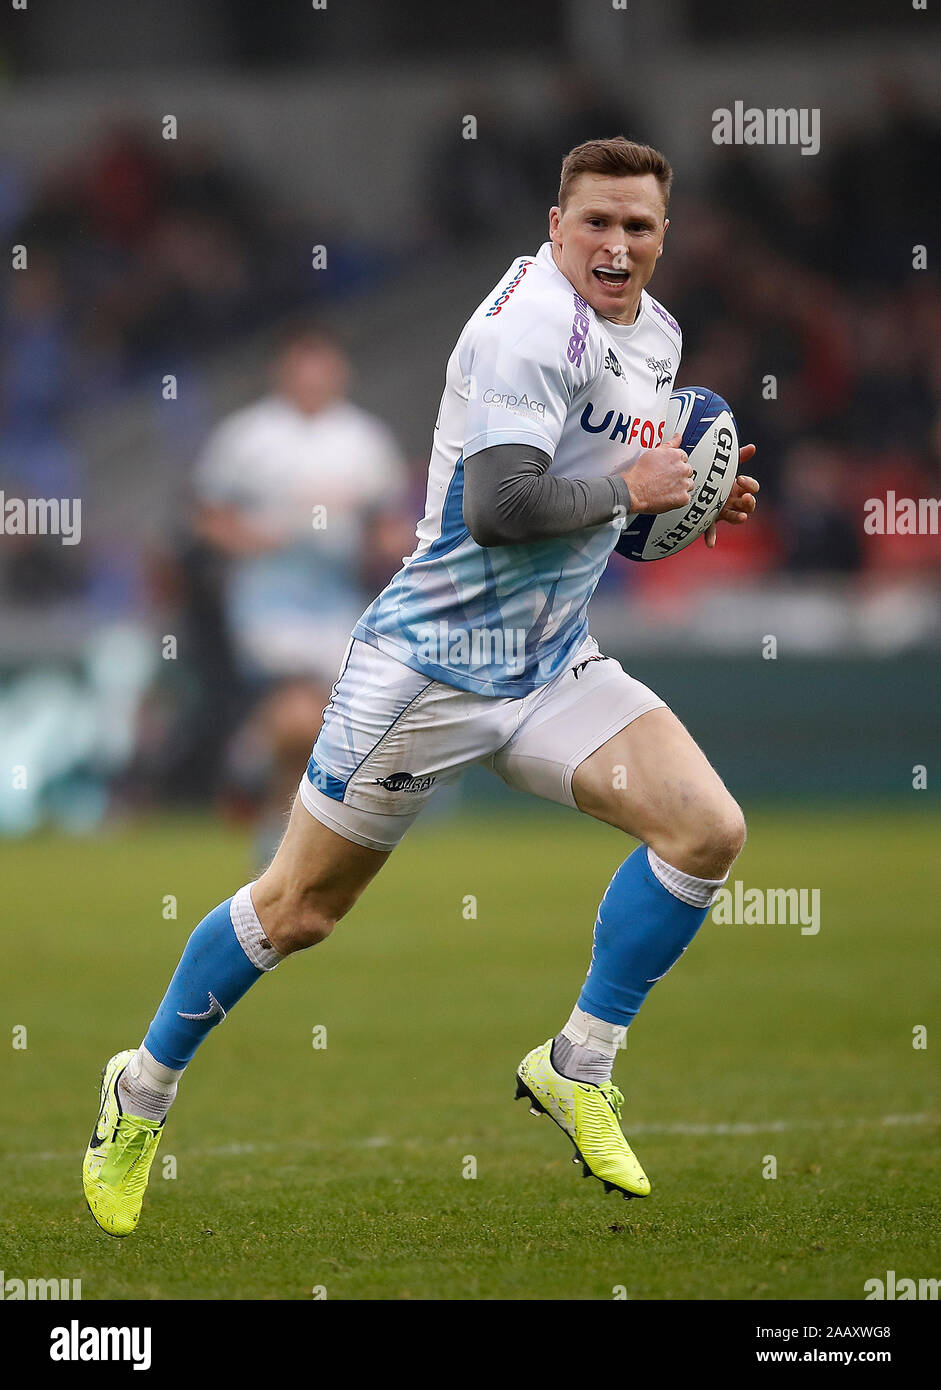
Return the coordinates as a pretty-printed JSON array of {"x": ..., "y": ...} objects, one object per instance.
[
  {"x": 309, "y": 924},
  {"x": 718, "y": 840},
  {"x": 708, "y": 844},
  {"x": 731, "y": 836},
  {"x": 293, "y": 919}
]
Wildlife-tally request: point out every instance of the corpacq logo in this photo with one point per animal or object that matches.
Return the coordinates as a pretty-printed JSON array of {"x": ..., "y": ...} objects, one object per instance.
[
  {"x": 514, "y": 403},
  {"x": 580, "y": 326},
  {"x": 507, "y": 290}
]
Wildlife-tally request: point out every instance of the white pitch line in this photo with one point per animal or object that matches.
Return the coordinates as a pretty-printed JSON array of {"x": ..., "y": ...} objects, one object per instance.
[
  {"x": 381, "y": 1141},
  {"x": 780, "y": 1126}
]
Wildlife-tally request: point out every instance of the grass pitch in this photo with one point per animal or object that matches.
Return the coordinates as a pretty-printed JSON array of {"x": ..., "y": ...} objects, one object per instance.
[{"x": 346, "y": 1168}]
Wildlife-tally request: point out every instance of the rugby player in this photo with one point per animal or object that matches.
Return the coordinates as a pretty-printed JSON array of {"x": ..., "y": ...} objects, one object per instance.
[{"x": 549, "y": 433}]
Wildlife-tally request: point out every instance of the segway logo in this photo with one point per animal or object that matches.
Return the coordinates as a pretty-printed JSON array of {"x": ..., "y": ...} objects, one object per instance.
[
  {"x": 659, "y": 309},
  {"x": 580, "y": 327}
]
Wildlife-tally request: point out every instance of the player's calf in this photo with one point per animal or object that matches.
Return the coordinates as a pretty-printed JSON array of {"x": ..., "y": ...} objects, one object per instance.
[
  {"x": 315, "y": 877},
  {"x": 648, "y": 916},
  {"x": 653, "y": 782}
]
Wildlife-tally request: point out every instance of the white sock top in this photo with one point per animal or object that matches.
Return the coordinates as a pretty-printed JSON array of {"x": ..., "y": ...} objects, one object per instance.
[
  {"x": 250, "y": 932},
  {"x": 697, "y": 892},
  {"x": 594, "y": 1033}
]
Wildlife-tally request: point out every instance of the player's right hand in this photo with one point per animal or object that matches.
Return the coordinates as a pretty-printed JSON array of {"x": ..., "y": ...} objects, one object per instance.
[{"x": 660, "y": 479}]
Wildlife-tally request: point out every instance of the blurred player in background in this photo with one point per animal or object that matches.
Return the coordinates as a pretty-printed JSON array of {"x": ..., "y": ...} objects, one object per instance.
[
  {"x": 295, "y": 492},
  {"x": 478, "y": 651}
]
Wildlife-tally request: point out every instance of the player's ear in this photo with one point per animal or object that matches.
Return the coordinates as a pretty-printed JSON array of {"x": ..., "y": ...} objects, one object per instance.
[
  {"x": 662, "y": 235},
  {"x": 555, "y": 217}
]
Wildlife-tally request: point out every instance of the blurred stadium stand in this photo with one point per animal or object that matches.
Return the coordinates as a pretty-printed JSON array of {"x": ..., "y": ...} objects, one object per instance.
[{"x": 150, "y": 257}]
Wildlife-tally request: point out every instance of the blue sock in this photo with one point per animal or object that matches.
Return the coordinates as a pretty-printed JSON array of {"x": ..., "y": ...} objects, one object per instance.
[
  {"x": 223, "y": 958},
  {"x": 641, "y": 930}
]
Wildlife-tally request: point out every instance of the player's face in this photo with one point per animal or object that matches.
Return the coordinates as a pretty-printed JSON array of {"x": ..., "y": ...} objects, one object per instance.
[
  {"x": 312, "y": 375},
  {"x": 608, "y": 239}
]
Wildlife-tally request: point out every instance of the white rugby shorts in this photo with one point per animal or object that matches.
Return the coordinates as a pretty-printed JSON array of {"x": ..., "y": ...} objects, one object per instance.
[{"x": 390, "y": 736}]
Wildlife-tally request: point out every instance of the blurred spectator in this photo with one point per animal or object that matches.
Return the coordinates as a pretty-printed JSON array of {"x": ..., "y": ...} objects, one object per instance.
[
  {"x": 821, "y": 535},
  {"x": 290, "y": 495},
  {"x": 473, "y": 173},
  {"x": 575, "y": 111},
  {"x": 884, "y": 184},
  {"x": 121, "y": 185},
  {"x": 895, "y": 401},
  {"x": 36, "y": 457},
  {"x": 168, "y": 251},
  {"x": 148, "y": 256}
]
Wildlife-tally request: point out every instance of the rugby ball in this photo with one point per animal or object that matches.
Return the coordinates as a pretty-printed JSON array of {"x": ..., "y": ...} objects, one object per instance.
[{"x": 710, "y": 438}]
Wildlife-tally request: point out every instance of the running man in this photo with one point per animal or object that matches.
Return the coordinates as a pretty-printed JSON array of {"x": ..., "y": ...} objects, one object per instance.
[{"x": 549, "y": 433}]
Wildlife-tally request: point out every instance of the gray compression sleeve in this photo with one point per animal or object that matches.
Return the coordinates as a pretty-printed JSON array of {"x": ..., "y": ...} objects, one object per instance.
[{"x": 510, "y": 497}]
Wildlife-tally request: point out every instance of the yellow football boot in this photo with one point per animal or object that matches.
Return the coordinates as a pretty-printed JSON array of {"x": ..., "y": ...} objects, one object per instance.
[
  {"x": 589, "y": 1115},
  {"x": 118, "y": 1157}
]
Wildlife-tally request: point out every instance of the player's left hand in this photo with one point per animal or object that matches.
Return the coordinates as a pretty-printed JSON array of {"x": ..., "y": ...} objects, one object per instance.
[{"x": 742, "y": 499}]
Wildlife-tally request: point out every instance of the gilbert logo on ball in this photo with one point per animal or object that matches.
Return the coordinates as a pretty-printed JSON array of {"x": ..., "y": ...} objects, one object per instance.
[{"x": 710, "y": 438}]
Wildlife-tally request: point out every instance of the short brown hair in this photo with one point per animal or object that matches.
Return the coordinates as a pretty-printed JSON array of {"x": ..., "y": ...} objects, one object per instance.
[
  {"x": 616, "y": 157},
  {"x": 302, "y": 329}
]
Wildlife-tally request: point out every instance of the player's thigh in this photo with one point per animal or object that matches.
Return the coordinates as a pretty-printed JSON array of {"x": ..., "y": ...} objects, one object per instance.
[
  {"x": 652, "y": 780},
  {"x": 390, "y": 737},
  {"x": 313, "y": 880},
  {"x": 566, "y": 721}
]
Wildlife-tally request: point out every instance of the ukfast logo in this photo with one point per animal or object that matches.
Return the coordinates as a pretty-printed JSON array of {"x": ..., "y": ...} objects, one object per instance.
[{"x": 624, "y": 429}]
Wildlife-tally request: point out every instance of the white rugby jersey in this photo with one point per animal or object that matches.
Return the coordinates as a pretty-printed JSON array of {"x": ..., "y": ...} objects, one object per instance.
[{"x": 534, "y": 365}]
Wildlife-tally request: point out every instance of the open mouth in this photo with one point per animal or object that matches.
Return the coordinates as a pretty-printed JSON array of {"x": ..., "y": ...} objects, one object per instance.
[{"x": 614, "y": 279}]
